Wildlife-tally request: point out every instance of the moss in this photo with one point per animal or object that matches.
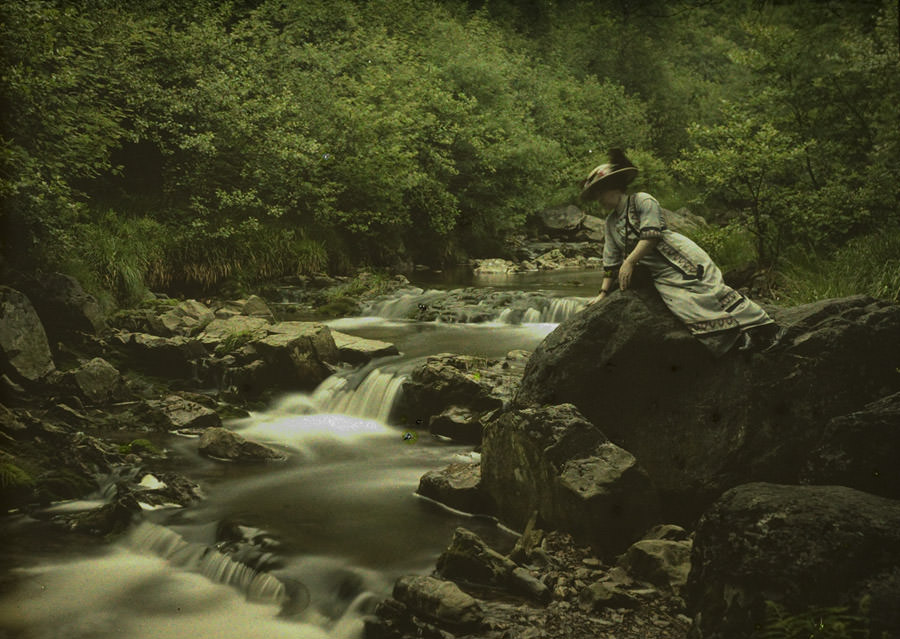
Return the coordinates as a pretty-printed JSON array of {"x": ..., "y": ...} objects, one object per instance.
[
  {"x": 139, "y": 446},
  {"x": 11, "y": 476},
  {"x": 235, "y": 341},
  {"x": 339, "y": 307}
]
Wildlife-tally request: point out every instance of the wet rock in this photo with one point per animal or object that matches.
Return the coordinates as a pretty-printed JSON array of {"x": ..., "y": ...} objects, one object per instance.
[
  {"x": 669, "y": 532},
  {"x": 797, "y": 546},
  {"x": 661, "y": 562},
  {"x": 458, "y": 424},
  {"x": 24, "y": 350},
  {"x": 457, "y": 486},
  {"x": 594, "y": 228},
  {"x": 860, "y": 450},
  {"x": 166, "y": 489},
  {"x": 562, "y": 219},
  {"x": 469, "y": 559},
  {"x": 358, "y": 350},
  {"x": 182, "y": 414},
  {"x": 553, "y": 460},
  {"x": 494, "y": 266},
  {"x": 440, "y": 601},
  {"x": 98, "y": 381},
  {"x": 297, "y": 354},
  {"x": 112, "y": 518},
  {"x": 447, "y": 380},
  {"x": 221, "y": 443},
  {"x": 700, "y": 425}
]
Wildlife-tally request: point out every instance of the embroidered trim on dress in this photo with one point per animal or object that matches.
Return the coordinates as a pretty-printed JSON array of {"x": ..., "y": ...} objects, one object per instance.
[
  {"x": 731, "y": 299},
  {"x": 679, "y": 260},
  {"x": 711, "y": 326},
  {"x": 651, "y": 233}
]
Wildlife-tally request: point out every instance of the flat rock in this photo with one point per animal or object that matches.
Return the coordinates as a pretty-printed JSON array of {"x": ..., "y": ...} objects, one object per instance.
[
  {"x": 358, "y": 350},
  {"x": 458, "y": 486},
  {"x": 222, "y": 443}
]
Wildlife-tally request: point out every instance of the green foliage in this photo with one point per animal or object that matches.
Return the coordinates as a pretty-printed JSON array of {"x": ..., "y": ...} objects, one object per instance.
[
  {"x": 865, "y": 265},
  {"x": 816, "y": 623},
  {"x": 143, "y": 146},
  {"x": 730, "y": 246}
]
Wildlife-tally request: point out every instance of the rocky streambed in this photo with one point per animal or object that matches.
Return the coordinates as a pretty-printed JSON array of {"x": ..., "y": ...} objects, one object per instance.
[{"x": 616, "y": 482}]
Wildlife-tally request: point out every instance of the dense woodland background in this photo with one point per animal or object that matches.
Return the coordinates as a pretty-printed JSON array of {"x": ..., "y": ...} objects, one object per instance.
[{"x": 190, "y": 146}]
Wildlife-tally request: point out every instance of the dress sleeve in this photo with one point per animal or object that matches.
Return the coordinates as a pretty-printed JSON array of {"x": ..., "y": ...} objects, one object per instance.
[
  {"x": 612, "y": 256},
  {"x": 651, "y": 223}
]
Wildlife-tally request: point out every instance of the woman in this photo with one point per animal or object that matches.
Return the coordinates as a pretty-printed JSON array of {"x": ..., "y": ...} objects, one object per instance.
[{"x": 688, "y": 281}]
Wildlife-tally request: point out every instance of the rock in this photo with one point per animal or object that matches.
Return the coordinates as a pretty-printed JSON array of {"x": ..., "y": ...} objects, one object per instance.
[
  {"x": 661, "y": 562},
  {"x": 564, "y": 218},
  {"x": 358, "y": 350},
  {"x": 458, "y": 486},
  {"x": 860, "y": 450},
  {"x": 181, "y": 414},
  {"x": 552, "y": 460},
  {"x": 469, "y": 559},
  {"x": 683, "y": 221},
  {"x": 170, "y": 357},
  {"x": 797, "y": 546},
  {"x": 166, "y": 489},
  {"x": 233, "y": 332},
  {"x": 24, "y": 350},
  {"x": 606, "y": 594},
  {"x": 65, "y": 309},
  {"x": 297, "y": 354},
  {"x": 228, "y": 445},
  {"x": 459, "y": 424},
  {"x": 256, "y": 306},
  {"x": 186, "y": 318},
  {"x": 112, "y": 518},
  {"x": 494, "y": 266},
  {"x": 700, "y": 425},
  {"x": 441, "y": 601},
  {"x": 669, "y": 532},
  {"x": 594, "y": 227},
  {"x": 98, "y": 381},
  {"x": 447, "y": 380}
]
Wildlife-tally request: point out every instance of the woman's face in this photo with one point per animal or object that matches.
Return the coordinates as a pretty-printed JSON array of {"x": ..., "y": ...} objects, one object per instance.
[{"x": 609, "y": 199}]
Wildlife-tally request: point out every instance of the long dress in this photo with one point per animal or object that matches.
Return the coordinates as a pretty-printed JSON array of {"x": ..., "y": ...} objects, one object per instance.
[{"x": 687, "y": 279}]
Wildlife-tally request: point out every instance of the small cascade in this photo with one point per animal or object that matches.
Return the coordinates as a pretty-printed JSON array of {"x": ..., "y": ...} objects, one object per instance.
[
  {"x": 403, "y": 304},
  {"x": 561, "y": 308},
  {"x": 373, "y": 398},
  {"x": 218, "y": 567}
]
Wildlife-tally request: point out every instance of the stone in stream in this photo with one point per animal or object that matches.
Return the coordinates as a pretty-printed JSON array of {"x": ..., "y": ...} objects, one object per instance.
[
  {"x": 221, "y": 443},
  {"x": 24, "y": 349},
  {"x": 438, "y": 600},
  {"x": 459, "y": 424},
  {"x": 97, "y": 381},
  {"x": 358, "y": 350},
  {"x": 457, "y": 486},
  {"x": 178, "y": 413}
]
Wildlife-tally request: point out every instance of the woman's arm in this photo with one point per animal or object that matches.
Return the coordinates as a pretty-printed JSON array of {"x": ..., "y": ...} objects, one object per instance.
[
  {"x": 627, "y": 269},
  {"x": 604, "y": 290}
]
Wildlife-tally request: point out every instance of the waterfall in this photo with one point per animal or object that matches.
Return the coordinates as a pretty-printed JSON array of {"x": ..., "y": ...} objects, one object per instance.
[
  {"x": 403, "y": 304},
  {"x": 561, "y": 308},
  {"x": 216, "y": 566},
  {"x": 373, "y": 398}
]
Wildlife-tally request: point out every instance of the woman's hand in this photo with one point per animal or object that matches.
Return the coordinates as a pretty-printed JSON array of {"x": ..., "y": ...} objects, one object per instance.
[{"x": 625, "y": 273}]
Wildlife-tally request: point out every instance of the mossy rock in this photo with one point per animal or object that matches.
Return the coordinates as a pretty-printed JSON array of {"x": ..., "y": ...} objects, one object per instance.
[
  {"x": 62, "y": 484},
  {"x": 339, "y": 307},
  {"x": 140, "y": 446}
]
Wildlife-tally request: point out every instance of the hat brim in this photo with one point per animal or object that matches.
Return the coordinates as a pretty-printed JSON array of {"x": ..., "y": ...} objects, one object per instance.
[{"x": 592, "y": 189}]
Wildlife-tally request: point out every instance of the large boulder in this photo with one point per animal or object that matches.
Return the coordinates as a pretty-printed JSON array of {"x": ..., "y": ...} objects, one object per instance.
[
  {"x": 97, "y": 381},
  {"x": 24, "y": 350},
  {"x": 458, "y": 486},
  {"x": 798, "y": 547},
  {"x": 171, "y": 357},
  {"x": 700, "y": 425},
  {"x": 860, "y": 450},
  {"x": 358, "y": 350},
  {"x": 64, "y": 307},
  {"x": 562, "y": 219},
  {"x": 186, "y": 318},
  {"x": 554, "y": 461}
]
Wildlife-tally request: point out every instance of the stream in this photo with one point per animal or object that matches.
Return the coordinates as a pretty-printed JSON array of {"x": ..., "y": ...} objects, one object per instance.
[{"x": 333, "y": 527}]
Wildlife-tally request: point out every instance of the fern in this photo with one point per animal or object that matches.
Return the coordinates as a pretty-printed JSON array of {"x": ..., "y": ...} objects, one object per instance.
[{"x": 11, "y": 476}]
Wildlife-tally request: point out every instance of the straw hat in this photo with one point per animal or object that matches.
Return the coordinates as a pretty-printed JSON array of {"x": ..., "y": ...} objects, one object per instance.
[{"x": 617, "y": 173}]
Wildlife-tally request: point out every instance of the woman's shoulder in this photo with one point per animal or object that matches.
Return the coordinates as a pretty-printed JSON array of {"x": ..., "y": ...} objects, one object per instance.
[{"x": 644, "y": 198}]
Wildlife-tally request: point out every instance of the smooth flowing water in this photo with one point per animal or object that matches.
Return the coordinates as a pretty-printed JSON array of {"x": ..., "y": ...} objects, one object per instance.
[{"x": 333, "y": 526}]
